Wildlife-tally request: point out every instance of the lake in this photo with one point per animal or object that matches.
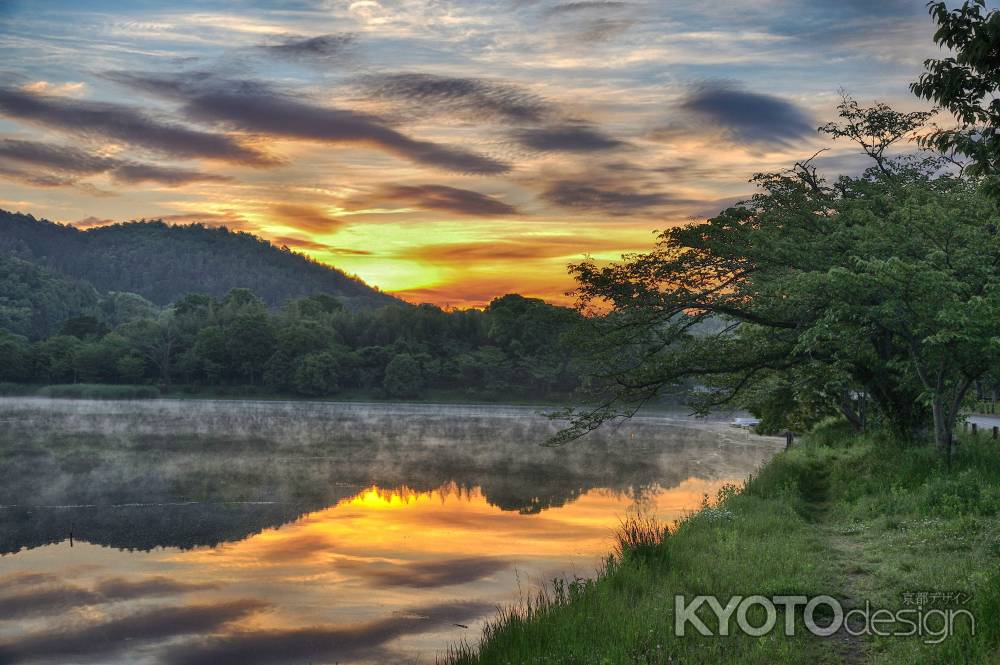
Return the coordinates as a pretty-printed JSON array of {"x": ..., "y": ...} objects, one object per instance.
[{"x": 254, "y": 532}]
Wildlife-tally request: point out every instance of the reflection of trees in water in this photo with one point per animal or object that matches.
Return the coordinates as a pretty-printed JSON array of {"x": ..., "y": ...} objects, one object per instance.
[{"x": 292, "y": 458}]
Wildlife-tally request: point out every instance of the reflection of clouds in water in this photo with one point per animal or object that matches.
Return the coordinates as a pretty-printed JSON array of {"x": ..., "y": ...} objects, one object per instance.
[
  {"x": 91, "y": 640},
  {"x": 424, "y": 574},
  {"x": 300, "y": 457},
  {"x": 323, "y": 643},
  {"x": 40, "y": 598},
  {"x": 364, "y": 522}
]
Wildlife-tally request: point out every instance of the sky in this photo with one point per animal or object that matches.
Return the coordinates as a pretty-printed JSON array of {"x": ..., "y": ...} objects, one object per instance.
[{"x": 444, "y": 151}]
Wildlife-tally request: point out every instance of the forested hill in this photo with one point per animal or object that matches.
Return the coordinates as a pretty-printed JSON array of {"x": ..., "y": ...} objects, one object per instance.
[{"x": 163, "y": 263}]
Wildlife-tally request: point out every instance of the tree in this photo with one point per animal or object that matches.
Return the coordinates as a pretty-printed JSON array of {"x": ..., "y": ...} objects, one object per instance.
[
  {"x": 889, "y": 281},
  {"x": 118, "y": 308},
  {"x": 317, "y": 374},
  {"x": 403, "y": 377},
  {"x": 15, "y": 358},
  {"x": 155, "y": 340},
  {"x": 54, "y": 358},
  {"x": 83, "y": 327},
  {"x": 967, "y": 84}
]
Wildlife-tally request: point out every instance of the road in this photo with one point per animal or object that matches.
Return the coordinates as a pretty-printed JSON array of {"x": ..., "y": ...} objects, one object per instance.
[{"x": 985, "y": 422}]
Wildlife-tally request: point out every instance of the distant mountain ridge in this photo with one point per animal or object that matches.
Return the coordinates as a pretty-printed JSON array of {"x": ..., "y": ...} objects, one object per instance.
[{"x": 163, "y": 262}]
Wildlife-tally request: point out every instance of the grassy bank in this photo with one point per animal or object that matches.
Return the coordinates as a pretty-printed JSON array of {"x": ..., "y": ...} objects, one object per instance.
[{"x": 857, "y": 518}]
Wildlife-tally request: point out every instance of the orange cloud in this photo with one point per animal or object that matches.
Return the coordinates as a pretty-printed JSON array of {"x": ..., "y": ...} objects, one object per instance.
[{"x": 303, "y": 217}]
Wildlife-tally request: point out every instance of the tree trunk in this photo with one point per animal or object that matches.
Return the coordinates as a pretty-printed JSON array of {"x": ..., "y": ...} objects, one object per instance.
[
  {"x": 944, "y": 425},
  {"x": 847, "y": 408}
]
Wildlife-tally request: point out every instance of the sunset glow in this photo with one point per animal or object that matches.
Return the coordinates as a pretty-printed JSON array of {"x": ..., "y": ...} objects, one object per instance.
[{"x": 445, "y": 152}]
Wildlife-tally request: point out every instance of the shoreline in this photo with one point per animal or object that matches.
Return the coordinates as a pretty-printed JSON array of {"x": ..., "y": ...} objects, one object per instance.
[{"x": 840, "y": 515}]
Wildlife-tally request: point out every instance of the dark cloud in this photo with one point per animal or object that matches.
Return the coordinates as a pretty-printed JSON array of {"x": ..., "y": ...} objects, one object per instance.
[
  {"x": 320, "y": 643},
  {"x": 104, "y": 638},
  {"x": 55, "y": 166},
  {"x": 134, "y": 172},
  {"x": 617, "y": 199},
  {"x": 571, "y": 137},
  {"x": 49, "y": 156},
  {"x": 749, "y": 117},
  {"x": 127, "y": 124},
  {"x": 479, "y": 99},
  {"x": 429, "y": 574},
  {"x": 322, "y": 48},
  {"x": 253, "y": 107},
  {"x": 440, "y": 198},
  {"x": 118, "y": 588}
]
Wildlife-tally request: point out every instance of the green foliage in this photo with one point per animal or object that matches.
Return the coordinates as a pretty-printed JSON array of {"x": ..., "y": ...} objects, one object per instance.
[
  {"x": 311, "y": 347},
  {"x": 884, "y": 286},
  {"x": 317, "y": 374},
  {"x": 403, "y": 377},
  {"x": 967, "y": 84},
  {"x": 35, "y": 302}
]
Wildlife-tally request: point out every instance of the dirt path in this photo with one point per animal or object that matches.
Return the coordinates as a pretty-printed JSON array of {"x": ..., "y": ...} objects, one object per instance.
[{"x": 846, "y": 552}]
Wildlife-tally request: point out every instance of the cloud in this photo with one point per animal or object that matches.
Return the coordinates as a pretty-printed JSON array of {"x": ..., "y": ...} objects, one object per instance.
[
  {"x": 585, "y": 6},
  {"x": 589, "y": 19},
  {"x": 135, "y": 172},
  {"x": 571, "y": 137},
  {"x": 510, "y": 249},
  {"x": 749, "y": 117},
  {"x": 304, "y": 217},
  {"x": 320, "y": 643},
  {"x": 304, "y": 243},
  {"x": 322, "y": 48},
  {"x": 68, "y": 89},
  {"x": 253, "y": 107},
  {"x": 104, "y": 638},
  {"x": 55, "y": 166},
  {"x": 440, "y": 198},
  {"x": 618, "y": 199},
  {"x": 428, "y": 574},
  {"x": 479, "y": 99},
  {"x": 127, "y": 124}
]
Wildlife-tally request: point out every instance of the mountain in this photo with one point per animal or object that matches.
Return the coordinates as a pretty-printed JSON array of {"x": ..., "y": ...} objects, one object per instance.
[{"x": 162, "y": 262}]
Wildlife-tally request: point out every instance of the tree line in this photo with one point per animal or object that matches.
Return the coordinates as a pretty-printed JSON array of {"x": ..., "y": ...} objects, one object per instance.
[{"x": 516, "y": 348}]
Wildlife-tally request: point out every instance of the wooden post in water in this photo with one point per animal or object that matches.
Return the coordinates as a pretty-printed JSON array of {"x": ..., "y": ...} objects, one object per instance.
[
  {"x": 788, "y": 439},
  {"x": 996, "y": 432},
  {"x": 975, "y": 429}
]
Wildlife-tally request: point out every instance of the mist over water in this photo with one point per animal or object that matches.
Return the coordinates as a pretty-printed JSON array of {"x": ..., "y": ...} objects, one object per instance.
[{"x": 174, "y": 531}]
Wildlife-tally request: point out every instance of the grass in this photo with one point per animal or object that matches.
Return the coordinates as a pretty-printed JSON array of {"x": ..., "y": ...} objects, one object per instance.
[{"x": 857, "y": 518}]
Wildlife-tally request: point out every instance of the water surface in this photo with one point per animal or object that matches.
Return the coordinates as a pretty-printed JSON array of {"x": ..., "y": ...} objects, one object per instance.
[{"x": 182, "y": 532}]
